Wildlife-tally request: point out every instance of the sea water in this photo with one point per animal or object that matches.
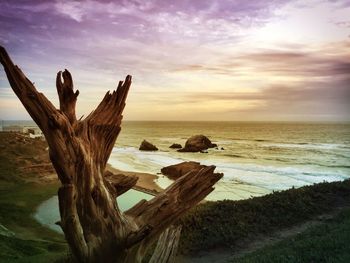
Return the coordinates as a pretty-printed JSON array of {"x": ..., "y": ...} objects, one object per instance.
[{"x": 256, "y": 158}]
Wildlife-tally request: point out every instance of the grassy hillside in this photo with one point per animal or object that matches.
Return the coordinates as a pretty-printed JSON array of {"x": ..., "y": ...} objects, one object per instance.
[
  {"x": 232, "y": 224},
  {"x": 328, "y": 242},
  {"x": 22, "y": 188}
]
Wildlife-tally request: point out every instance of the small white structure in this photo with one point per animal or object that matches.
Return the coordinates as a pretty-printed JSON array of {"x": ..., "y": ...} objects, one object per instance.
[{"x": 33, "y": 131}]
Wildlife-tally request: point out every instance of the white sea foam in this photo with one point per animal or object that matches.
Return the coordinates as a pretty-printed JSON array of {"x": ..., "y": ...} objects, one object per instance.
[
  {"x": 307, "y": 154},
  {"x": 132, "y": 159},
  {"x": 170, "y": 139},
  {"x": 163, "y": 181},
  {"x": 315, "y": 146},
  {"x": 235, "y": 191},
  {"x": 224, "y": 142},
  {"x": 263, "y": 176},
  {"x": 276, "y": 177}
]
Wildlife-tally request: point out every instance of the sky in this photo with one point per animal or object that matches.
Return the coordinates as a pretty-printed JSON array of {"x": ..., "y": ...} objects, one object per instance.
[{"x": 218, "y": 60}]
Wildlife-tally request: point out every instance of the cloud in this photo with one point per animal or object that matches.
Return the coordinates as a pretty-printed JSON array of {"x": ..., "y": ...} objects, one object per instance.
[
  {"x": 309, "y": 98},
  {"x": 308, "y": 91},
  {"x": 286, "y": 63},
  {"x": 298, "y": 63},
  {"x": 72, "y": 9},
  {"x": 178, "y": 48}
]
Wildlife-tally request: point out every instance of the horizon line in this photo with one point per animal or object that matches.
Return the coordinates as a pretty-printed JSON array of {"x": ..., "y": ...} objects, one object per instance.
[{"x": 247, "y": 121}]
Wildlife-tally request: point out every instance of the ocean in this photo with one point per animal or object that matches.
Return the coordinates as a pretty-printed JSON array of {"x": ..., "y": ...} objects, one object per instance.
[{"x": 255, "y": 157}]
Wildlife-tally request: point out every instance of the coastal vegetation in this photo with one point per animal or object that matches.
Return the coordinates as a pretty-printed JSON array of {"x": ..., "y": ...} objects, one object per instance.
[
  {"x": 229, "y": 225},
  {"x": 233, "y": 224},
  {"x": 328, "y": 241},
  {"x": 22, "y": 189}
]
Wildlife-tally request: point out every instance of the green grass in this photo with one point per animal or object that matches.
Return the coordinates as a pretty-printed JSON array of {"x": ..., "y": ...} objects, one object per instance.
[
  {"x": 228, "y": 224},
  {"x": 32, "y": 242},
  {"x": 17, "y": 205},
  {"x": 13, "y": 249},
  {"x": 328, "y": 242}
]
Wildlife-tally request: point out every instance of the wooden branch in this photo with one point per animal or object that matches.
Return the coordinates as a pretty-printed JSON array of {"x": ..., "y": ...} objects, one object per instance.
[
  {"x": 103, "y": 124},
  {"x": 137, "y": 236},
  {"x": 52, "y": 122},
  {"x": 95, "y": 229},
  {"x": 66, "y": 95},
  {"x": 120, "y": 183},
  {"x": 110, "y": 108},
  {"x": 38, "y": 106},
  {"x": 70, "y": 221},
  {"x": 164, "y": 209},
  {"x": 167, "y": 244}
]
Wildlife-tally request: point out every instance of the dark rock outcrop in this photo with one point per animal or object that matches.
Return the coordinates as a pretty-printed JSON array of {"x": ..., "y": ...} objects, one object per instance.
[
  {"x": 197, "y": 143},
  {"x": 177, "y": 170},
  {"x": 147, "y": 146},
  {"x": 175, "y": 146}
]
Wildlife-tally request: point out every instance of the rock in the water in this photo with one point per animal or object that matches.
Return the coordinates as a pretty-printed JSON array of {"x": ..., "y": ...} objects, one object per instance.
[
  {"x": 175, "y": 146},
  {"x": 197, "y": 143},
  {"x": 177, "y": 170},
  {"x": 147, "y": 146}
]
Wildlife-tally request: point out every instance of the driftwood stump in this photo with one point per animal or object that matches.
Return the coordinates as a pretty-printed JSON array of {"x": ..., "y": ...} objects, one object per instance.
[{"x": 95, "y": 228}]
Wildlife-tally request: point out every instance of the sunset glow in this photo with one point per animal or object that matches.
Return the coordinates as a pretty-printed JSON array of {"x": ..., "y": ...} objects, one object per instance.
[{"x": 190, "y": 60}]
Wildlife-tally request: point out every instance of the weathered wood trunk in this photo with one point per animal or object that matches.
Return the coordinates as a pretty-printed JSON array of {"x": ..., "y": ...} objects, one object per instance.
[
  {"x": 167, "y": 244},
  {"x": 94, "y": 227}
]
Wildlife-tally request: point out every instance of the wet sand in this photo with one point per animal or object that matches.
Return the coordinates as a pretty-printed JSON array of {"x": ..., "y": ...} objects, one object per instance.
[{"x": 146, "y": 182}]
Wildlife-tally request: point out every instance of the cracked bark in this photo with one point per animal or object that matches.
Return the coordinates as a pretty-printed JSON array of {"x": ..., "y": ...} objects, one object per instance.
[{"x": 95, "y": 228}]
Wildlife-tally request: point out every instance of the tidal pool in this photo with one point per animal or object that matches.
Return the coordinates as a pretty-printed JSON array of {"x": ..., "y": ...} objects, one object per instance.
[{"x": 48, "y": 214}]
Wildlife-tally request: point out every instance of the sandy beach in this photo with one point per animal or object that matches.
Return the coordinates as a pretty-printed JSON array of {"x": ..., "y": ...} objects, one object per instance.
[
  {"x": 145, "y": 183},
  {"x": 34, "y": 165}
]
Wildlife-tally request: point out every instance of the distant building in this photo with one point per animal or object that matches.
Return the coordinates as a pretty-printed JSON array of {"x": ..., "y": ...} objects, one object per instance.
[{"x": 32, "y": 131}]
